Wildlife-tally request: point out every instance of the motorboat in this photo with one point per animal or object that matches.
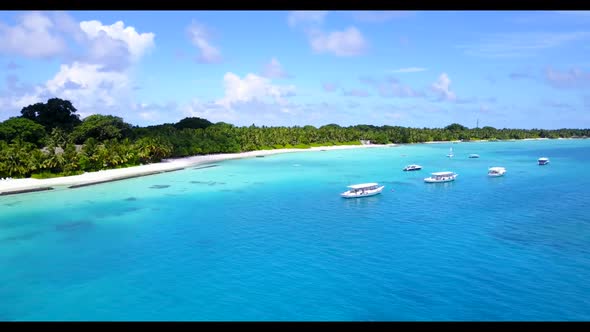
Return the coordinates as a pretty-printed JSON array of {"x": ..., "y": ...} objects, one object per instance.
[
  {"x": 362, "y": 190},
  {"x": 543, "y": 161},
  {"x": 496, "y": 171},
  {"x": 438, "y": 177},
  {"x": 473, "y": 155},
  {"x": 450, "y": 155},
  {"x": 412, "y": 168}
]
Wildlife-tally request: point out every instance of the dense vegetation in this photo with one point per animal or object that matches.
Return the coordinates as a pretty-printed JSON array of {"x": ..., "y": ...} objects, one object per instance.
[{"x": 49, "y": 139}]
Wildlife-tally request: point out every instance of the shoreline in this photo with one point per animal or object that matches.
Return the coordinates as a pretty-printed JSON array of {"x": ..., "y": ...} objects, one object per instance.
[{"x": 28, "y": 185}]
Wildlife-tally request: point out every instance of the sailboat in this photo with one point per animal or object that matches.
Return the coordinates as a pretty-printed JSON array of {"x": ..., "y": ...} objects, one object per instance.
[{"x": 450, "y": 155}]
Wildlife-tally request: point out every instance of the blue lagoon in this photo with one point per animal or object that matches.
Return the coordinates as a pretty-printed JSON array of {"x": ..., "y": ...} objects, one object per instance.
[{"x": 271, "y": 239}]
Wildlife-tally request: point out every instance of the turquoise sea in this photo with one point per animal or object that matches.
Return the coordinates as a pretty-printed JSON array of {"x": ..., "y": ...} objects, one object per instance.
[{"x": 270, "y": 239}]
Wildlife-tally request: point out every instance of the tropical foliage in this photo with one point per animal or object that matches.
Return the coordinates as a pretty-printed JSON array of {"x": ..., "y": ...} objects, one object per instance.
[{"x": 49, "y": 139}]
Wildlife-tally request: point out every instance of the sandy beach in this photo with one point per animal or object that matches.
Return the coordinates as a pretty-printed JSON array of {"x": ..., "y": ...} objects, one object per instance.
[{"x": 17, "y": 186}]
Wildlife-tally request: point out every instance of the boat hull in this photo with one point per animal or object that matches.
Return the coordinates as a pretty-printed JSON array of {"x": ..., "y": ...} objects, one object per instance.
[
  {"x": 411, "y": 169},
  {"x": 438, "y": 181},
  {"x": 448, "y": 179},
  {"x": 367, "y": 193},
  {"x": 496, "y": 172}
]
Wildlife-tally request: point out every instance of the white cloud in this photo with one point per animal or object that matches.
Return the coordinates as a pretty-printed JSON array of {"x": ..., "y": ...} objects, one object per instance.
[
  {"x": 573, "y": 78},
  {"x": 96, "y": 80},
  {"x": 522, "y": 75},
  {"x": 349, "y": 42},
  {"x": 199, "y": 36},
  {"x": 12, "y": 66},
  {"x": 274, "y": 69},
  {"x": 392, "y": 87},
  {"x": 409, "y": 70},
  {"x": 244, "y": 113},
  {"x": 356, "y": 93},
  {"x": 307, "y": 17},
  {"x": 152, "y": 113},
  {"x": 557, "y": 104},
  {"x": 107, "y": 36},
  {"x": 66, "y": 24},
  {"x": 521, "y": 44},
  {"x": 252, "y": 88},
  {"x": 89, "y": 87},
  {"x": 353, "y": 104},
  {"x": 46, "y": 35},
  {"x": 442, "y": 87},
  {"x": 209, "y": 111},
  {"x": 34, "y": 36},
  {"x": 329, "y": 87},
  {"x": 247, "y": 100}
]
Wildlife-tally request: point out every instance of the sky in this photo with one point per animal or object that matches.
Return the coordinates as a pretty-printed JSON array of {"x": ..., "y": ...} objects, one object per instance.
[{"x": 505, "y": 69}]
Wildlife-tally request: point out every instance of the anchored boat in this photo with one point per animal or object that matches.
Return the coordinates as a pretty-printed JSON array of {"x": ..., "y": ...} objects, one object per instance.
[{"x": 362, "y": 190}]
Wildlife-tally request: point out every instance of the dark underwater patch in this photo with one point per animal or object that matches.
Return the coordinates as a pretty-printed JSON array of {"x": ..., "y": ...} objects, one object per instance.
[
  {"x": 130, "y": 199},
  {"x": 206, "y": 166},
  {"x": 22, "y": 237},
  {"x": 74, "y": 226},
  {"x": 160, "y": 186},
  {"x": 563, "y": 236},
  {"x": 209, "y": 183},
  {"x": 24, "y": 191}
]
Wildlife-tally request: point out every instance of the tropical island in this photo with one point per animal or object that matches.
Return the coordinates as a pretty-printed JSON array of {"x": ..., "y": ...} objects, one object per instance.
[{"x": 50, "y": 140}]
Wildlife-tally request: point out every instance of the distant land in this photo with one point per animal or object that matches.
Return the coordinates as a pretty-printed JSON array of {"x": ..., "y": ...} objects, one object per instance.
[{"x": 50, "y": 140}]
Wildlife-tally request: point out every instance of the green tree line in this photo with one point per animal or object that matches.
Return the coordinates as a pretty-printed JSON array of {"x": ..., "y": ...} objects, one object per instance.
[{"x": 49, "y": 139}]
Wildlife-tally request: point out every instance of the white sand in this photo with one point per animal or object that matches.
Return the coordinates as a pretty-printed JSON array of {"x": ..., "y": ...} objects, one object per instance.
[
  {"x": 439, "y": 142},
  {"x": 8, "y": 186}
]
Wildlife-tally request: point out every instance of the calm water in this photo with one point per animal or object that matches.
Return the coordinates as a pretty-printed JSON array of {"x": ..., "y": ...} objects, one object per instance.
[{"x": 270, "y": 239}]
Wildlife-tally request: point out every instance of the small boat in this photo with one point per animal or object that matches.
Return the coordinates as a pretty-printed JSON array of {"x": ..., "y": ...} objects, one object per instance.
[
  {"x": 450, "y": 155},
  {"x": 362, "y": 190},
  {"x": 412, "y": 168},
  {"x": 441, "y": 177},
  {"x": 543, "y": 161},
  {"x": 496, "y": 171},
  {"x": 473, "y": 155}
]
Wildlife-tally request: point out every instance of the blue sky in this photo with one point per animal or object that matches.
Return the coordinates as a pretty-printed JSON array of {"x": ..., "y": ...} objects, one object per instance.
[{"x": 507, "y": 69}]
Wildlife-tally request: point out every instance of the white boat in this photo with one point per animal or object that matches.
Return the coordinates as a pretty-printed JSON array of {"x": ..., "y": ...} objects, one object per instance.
[
  {"x": 450, "y": 155},
  {"x": 543, "y": 161},
  {"x": 473, "y": 155},
  {"x": 362, "y": 190},
  {"x": 441, "y": 177},
  {"x": 413, "y": 168},
  {"x": 496, "y": 171}
]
